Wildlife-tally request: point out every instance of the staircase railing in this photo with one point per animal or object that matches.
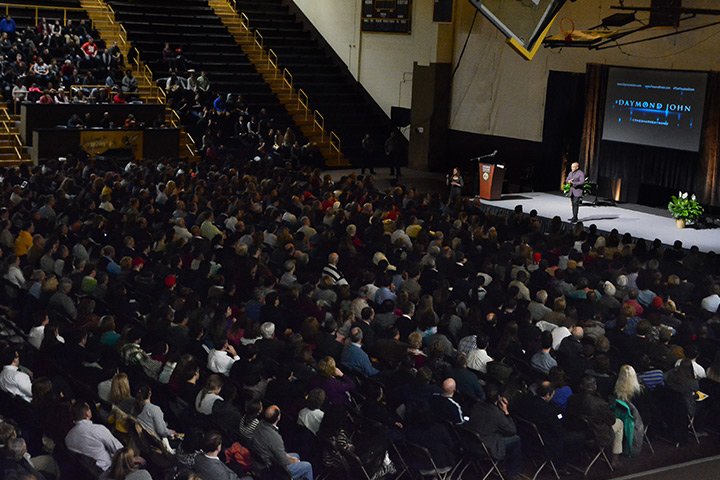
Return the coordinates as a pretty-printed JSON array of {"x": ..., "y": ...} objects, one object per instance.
[
  {"x": 143, "y": 70},
  {"x": 38, "y": 7},
  {"x": 303, "y": 101},
  {"x": 6, "y": 120}
]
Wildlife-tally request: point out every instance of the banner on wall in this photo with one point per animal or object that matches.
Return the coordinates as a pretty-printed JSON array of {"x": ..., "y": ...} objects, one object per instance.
[{"x": 100, "y": 141}]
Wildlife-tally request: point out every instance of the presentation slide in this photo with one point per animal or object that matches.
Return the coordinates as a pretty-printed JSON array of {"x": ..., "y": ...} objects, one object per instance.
[{"x": 660, "y": 108}]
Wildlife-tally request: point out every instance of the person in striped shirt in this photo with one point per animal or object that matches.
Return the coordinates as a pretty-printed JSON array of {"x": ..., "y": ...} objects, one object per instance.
[{"x": 331, "y": 270}]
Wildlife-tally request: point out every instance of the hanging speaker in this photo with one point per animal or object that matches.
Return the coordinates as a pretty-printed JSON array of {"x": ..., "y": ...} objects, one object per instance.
[
  {"x": 665, "y": 13},
  {"x": 443, "y": 11}
]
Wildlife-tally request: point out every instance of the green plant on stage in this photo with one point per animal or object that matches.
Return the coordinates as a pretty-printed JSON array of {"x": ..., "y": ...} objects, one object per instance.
[
  {"x": 684, "y": 206},
  {"x": 586, "y": 188}
]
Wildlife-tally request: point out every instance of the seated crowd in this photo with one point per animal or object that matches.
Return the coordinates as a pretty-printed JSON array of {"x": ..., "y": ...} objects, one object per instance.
[
  {"x": 226, "y": 313},
  {"x": 54, "y": 63}
]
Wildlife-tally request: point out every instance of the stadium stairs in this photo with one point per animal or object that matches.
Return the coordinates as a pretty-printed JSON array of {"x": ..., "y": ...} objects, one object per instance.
[
  {"x": 110, "y": 30},
  {"x": 296, "y": 62},
  {"x": 296, "y": 102},
  {"x": 12, "y": 149},
  {"x": 206, "y": 45}
]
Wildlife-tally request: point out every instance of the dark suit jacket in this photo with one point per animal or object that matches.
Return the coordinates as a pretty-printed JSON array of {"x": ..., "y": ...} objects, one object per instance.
[
  {"x": 492, "y": 425},
  {"x": 269, "y": 445},
  {"x": 213, "y": 468},
  {"x": 597, "y": 411},
  {"x": 447, "y": 409}
]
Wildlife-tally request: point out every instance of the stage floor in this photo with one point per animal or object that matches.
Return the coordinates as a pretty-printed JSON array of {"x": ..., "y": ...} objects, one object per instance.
[{"x": 640, "y": 221}]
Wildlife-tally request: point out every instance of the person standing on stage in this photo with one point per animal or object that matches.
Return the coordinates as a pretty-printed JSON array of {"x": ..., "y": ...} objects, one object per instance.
[
  {"x": 576, "y": 179},
  {"x": 393, "y": 153},
  {"x": 455, "y": 181}
]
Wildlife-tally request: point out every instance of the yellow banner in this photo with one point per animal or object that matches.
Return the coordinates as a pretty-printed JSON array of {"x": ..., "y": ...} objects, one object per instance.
[{"x": 96, "y": 142}]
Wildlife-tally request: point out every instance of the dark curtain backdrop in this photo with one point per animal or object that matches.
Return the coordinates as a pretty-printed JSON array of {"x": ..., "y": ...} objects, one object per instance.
[
  {"x": 624, "y": 170},
  {"x": 562, "y": 127},
  {"x": 595, "y": 88},
  {"x": 708, "y": 181}
]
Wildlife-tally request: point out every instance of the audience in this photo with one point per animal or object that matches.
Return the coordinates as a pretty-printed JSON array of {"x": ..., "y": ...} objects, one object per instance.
[{"x": 226, "y": 292}]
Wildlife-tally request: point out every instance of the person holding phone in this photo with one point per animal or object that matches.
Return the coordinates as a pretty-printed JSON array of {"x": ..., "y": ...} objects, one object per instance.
[{"x": 491, "y": 420}]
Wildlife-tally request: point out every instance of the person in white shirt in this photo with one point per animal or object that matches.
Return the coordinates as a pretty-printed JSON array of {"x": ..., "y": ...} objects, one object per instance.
[
  {"x": 692, "y": 352},
  {"x": 311, "y": 416},
  {"x": 14, "y": 275},
  {"x": 37, "y": 332},
  {"x": 221, "y": 358},
  {"x": 90, "y": 439},
  {"x": 13, "y": 380},
  {"x": 478, "y": 358},
  {"x": 712, "y": 302}
]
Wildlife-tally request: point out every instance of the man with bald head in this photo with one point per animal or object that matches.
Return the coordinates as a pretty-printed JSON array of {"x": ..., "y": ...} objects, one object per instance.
[
  {"x": 270, "y": 448},
  {"x": 576, "y": 179},
  {"x": 445, "y": 407},
  {"x": 331, "y": 270}
]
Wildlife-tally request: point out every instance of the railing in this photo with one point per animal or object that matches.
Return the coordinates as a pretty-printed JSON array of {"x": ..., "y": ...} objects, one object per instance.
[
  {"x": 37, "y": 8},
  {"x": 303, "y": 102},
  {"x": 319, "y": 121},
  {"x": 17, "y": 144}
]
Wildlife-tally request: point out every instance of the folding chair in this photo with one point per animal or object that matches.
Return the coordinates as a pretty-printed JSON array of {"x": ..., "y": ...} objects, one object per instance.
[
  {"x": 646, "y": 439},
  {"x": 691, "y": 427},
  {"x": 473, "y": 453},
  {"x": 420, "y": 458},
  {"x": 533, "y": 440},
  {"x": 592, "y": 448}
]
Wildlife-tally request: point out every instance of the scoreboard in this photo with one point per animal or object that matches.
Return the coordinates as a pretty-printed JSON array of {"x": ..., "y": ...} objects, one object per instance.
[{"x": 387, "y": 16}]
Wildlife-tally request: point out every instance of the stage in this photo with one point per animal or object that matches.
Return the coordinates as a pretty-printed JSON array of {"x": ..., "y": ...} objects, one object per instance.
[{"x": 638, "y": 220}]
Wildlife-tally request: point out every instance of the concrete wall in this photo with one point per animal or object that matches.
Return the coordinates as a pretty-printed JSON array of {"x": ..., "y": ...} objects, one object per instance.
[
  {"x": 496, "y": 92},
  {"x": 382, "y": 62}
]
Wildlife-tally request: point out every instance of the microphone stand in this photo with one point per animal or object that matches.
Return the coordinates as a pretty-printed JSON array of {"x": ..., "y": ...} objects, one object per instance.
[{"x": 474, "y": 176}]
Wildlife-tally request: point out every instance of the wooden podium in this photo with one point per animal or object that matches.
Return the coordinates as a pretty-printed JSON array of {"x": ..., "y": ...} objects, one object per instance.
[{"x": 491, "y": 180}]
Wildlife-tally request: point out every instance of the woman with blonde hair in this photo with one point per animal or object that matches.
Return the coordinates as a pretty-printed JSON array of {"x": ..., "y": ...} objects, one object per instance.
[
  {"x": 627, "y": 388},
  {"x": 120, "y": 389},
  {"x": 121, "y": 399},
  {"x": 627, "y": 385},
  {"x": 125, "y": 467}
]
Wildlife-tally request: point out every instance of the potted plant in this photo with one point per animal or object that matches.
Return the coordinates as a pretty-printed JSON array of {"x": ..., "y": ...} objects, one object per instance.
[
  {"x": 684, "y": 208},
  {"x": 587, "y": 188}
]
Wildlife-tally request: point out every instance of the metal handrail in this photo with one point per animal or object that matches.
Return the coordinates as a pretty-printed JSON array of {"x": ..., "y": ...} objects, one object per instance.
[
  {"x": 305, "y": 104},
  {"x": 337, "y": 144},
  {"x": 288, "y": 79},
  {"x": 15, "y": 136},
  {"x": 244, "y": 20},
  {"x": 271, "y": 63},
  {"x": 320, "y": 124},
  {"x": 27, "y": 6}
]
